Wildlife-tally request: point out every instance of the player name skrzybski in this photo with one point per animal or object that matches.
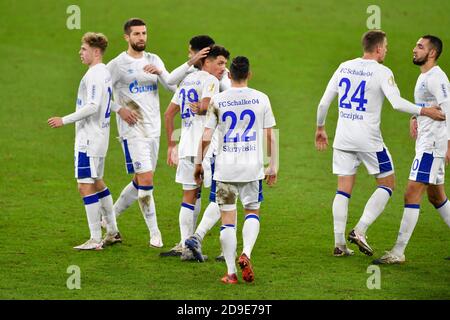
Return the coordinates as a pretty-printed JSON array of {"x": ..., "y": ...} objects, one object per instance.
[
  {"x": 234, "y": 103},
  {"x": 136, "y": 88},
  {"x": 245, "y": 148},
  {"x": 356, "y": 72},
  {"x": 352, "y": 116}
]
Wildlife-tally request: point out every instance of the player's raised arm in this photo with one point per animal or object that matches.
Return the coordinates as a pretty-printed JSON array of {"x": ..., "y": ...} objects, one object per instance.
[{"x": 392, "y": 93}]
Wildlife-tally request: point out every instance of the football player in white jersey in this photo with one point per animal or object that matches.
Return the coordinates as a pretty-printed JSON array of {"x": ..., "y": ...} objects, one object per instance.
[
  {"x": 199, "y": 47},
  {"x": 361, "y": 85},
  {"x": 243, "y": 117},
  {"x": 192, "y": 100},
  {"x": 432, "y": 146},
  {"x": 135, "y": 76},
  {"x": 92, "y": 122}
]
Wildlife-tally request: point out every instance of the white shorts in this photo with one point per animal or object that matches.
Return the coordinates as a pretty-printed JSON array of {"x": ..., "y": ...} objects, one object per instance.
[
  {"x": 250, "y": 194},
  {"x": 185, "y": 173},
  {"x": 141, "y": 154},
  {"x": 428, "y": 169},
  {"x": 88, "y": 169},
  {"x": 346, "y": 163}
]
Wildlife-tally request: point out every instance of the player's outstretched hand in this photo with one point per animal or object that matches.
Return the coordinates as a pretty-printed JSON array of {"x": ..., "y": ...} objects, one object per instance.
[
  {"x": 270, "y": 176},
  {"x": 413, "y": 128},
  {"x": 433, "y": 112},
  {"x": 198, "y": 56},
  {"x": 198, "y": 174},
  {"x": 321, "y": 139},
  {"x": 150, "y": 68},
  {"x": 55, "y": 122},
  {"x": 172, "y": 156},
  {"x": 127, "y": 115}
]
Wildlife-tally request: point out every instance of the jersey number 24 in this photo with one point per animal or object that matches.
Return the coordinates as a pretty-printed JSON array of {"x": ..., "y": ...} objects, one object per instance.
[{"x": 357, "y": 97}]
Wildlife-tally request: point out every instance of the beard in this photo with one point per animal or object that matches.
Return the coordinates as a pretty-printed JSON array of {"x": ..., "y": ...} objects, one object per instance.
[
  {"x": 138, "y": 46},
  {"x": 420, "y": 62}
]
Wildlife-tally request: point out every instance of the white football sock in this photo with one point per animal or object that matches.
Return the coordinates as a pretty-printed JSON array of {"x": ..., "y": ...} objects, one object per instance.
[
  {"x": 198, "y": 208},
  {"x": 128, "y": 195},
  {"x": 250, "y": 233},
  {"x": 92, "y": 207},
  {"x": 374, "y": 207},
  {"x": 209, "y": 219},
  {"x": 409, "y": 221},
  {"x": 228, "y": 241},
  {"x": 106, "y": 203},
  {"x": 444, "y": 211},
  {"x": 145, "y": 199},
  {"x": 340, "y": 211},
  {"x": 185, "y": 220}
]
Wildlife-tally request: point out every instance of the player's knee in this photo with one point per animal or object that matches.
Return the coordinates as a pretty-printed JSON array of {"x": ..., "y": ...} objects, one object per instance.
[{"x": 436, "y": 199}]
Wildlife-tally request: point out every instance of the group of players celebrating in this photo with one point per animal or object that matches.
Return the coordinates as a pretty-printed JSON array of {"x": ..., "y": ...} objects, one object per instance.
[
  {"x": 224, "y": 128},
  {"x": 227, "y": 132}
]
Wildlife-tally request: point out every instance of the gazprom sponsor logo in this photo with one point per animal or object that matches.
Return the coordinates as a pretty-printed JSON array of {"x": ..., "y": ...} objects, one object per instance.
[
  {"x": 136, "y": 88},
  {"x": 234, "y": 103}
]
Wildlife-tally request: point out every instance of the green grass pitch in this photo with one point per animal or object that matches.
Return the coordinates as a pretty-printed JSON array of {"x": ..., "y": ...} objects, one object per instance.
[{"x": 294, "y": 47}]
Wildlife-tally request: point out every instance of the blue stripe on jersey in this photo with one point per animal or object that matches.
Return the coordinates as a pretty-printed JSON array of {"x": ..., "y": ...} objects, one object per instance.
[
  {"x": 93, "y": 198},
  {"x": 389, "y": 190},
  {"x": 227, "y": 226},
  {"x": 260, "y": 192},
  {"x": 128, "y": 161},
  {"x": 145, "y": 188},
  {"x": 103, "y": 193},
  {"x": 412, "y": 206},
  {"x": 345, "y": 194},
  {"x": 441, "y": 205},
  {"x": 384, "y": 163},
  {"x": 84, "y": 166},
  {"x": 252, "y": 216},
  {"x": 423, "y": 174},
  {"x": 187, "y": 205}
]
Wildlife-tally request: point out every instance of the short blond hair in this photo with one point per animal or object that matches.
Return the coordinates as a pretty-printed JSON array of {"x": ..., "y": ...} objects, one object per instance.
[{"x": 96, "y": 40}]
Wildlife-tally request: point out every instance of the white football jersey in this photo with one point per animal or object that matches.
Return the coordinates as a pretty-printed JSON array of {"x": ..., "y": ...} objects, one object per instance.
[
  {"x": 92, "y": 133},
  {"x": 432, "y": 89},
  {"x": 195, "y": 87},
  {"x": 130, "y": 82},
  {"x": 240, "y": 116},
  {"x": 361, "y": 85}
]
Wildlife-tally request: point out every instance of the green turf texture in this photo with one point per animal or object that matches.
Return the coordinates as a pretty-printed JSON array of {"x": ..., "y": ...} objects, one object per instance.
[{"x": 294, "y": 48}]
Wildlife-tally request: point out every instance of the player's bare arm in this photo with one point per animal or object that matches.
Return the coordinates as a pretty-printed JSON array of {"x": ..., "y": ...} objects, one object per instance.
[
  {"x": 202, "y": 149},
  {"x": 169, "y": 115},
  {"x": 201, "y": 107},
  {"x": 271, "y": 173}
]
